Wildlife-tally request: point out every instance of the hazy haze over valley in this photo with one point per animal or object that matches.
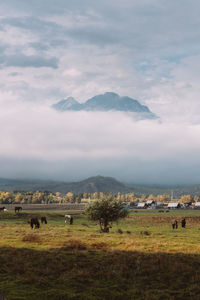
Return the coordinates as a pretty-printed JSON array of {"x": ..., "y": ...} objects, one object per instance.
[{"x": 147, "y": 50}]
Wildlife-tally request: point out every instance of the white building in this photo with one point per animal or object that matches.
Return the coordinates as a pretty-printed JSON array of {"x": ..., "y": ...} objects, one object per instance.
[
  {"x": 173, "y": 205},
  {"x": 142, "y": 205},
  {"x": 150, "y": 202},
  {"x": 197, "y": 205}
]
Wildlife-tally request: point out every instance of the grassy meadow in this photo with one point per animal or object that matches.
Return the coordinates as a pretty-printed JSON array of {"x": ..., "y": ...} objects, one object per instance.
[{"x": 141, "y": 257}]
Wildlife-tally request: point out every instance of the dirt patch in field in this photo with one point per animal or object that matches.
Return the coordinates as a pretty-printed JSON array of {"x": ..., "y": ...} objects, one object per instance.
[
  {"x": 99, "y": 246},
  {"x": 31, "y": 238},
  {"x": 74, "y": 245}
]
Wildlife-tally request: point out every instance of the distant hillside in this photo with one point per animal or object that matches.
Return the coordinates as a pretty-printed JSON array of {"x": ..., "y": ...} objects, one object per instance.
[
  {"x": 97, "y": 184},
  {"x": 24, "y": 185},
  {"x": 90, "y": 185},
  {"x": 106, "y": 102},
  {"x": 94, "y": 184}
]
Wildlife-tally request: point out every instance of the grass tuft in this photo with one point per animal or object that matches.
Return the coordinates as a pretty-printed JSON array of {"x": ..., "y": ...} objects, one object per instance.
[
  {"x": 74, "y": 245},
  {"x": 31, "y": 238},
  {"x": 99, "y": 246}
]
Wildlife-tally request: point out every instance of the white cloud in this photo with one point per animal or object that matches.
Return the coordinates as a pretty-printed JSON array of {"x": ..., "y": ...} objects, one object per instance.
[
  {"x": 79, "y": 144},
  {"x": 72, "y": 72}
]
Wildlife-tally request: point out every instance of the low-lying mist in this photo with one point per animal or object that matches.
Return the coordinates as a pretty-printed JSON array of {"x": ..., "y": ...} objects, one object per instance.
[{"x": 38, "y": 142}]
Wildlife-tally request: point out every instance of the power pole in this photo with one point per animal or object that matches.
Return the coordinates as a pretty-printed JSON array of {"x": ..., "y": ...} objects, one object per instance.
[{"x": 172, "y": 195}]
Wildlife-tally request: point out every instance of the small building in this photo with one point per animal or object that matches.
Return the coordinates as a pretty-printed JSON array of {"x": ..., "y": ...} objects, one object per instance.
[
  {"x": 142, "y": 205},
  {"x": 159, "y": 205},
  {"x": 173, "y": 205},
  {"x": 150, "y": 202},
  {"x": 188, "y": 204},
  {"x": 197, "y": 205}
]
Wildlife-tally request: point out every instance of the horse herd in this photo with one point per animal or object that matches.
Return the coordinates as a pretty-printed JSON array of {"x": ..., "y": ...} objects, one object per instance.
[
  {"x": 34, "y": 222},
  {"x": 17, "y": 208},
  {"x": 175, "y": 223}
]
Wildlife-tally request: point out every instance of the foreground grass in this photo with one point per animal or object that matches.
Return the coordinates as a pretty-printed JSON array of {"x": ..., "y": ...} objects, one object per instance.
[{"x": 147, "y": 261}]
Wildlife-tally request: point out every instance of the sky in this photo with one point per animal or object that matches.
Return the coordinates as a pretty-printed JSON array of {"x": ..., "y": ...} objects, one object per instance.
[{"x": 145, "y": 49}]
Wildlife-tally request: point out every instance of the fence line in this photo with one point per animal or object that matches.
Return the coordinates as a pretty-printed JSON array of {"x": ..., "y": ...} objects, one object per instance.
[{"x": 51, "y": 206}]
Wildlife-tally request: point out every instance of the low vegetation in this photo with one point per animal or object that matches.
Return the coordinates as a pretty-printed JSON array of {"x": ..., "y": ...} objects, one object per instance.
[
  {"x": 46, "y": 197},
  {"x": 141, "y": 257},
  {"x": 106, "y": 211}
]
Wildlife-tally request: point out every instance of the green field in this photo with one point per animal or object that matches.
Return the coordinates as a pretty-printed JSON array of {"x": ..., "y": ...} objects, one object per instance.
[{"x": 148, "y": 260}]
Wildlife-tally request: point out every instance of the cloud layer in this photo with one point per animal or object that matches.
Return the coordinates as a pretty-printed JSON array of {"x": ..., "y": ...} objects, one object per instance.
[{"x": 73, "y": 145}]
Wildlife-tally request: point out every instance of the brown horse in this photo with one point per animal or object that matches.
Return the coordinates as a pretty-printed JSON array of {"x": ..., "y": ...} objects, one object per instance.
[
  {"x": 43, "y": 220},
  {"x": 2, "y": 208},
  {"x": 174, "y": 224},
  {"x": 34, "y": 222},
  {"x": 18, "y": 208}
]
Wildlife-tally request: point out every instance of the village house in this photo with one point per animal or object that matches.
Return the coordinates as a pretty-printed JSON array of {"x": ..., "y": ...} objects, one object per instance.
[
  {"x": 174, "y": 205},
  {"x": 151, "y": 203},
  {"x": 142, "y": 205},
  {"x": 159, "y": 205},
  {"x": 197, "y": 205}
]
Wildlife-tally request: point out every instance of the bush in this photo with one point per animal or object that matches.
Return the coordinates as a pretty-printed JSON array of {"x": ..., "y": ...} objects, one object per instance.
[
  {"x": 145, "y": 232},
  {"x": 106, "y": 211}
]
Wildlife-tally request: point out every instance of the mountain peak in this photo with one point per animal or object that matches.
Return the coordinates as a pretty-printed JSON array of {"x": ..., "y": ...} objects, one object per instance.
[
  {"x": 111, "y": 94},
  {"x": 108, "y": 101},
  {"x": 66, "y": 104}
]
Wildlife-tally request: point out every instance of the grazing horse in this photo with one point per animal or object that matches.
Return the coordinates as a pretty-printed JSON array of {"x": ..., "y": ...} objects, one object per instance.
[
  {"x": 70, "y": 218},
  {"x": 43, "y": 220},
  {"x": 34, "y": 222},
  {"x": 3, "y": 208},
  {"x": 174, "y": 224},
  {"x": 183, "y": 223},
  {"x": 18, "y": 208}
]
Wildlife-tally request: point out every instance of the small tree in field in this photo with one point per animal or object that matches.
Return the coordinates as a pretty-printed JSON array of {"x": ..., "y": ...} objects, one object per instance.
[{"x": 106, "y": 211}]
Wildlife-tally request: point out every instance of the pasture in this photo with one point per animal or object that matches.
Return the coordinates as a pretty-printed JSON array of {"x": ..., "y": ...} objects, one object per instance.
[{"x": 141, "y": 257}]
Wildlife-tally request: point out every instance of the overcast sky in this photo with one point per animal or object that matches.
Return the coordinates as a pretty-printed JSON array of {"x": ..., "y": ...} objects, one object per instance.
[{"x": 145, "y": 49}]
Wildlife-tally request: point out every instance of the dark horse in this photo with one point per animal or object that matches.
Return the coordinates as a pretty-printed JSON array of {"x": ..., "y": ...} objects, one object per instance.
[
  {"x": 34, "y": 222},
  {"x": 18, "y": 208},
  {"x": 2, "y": 208},
  {"x": 183, "y": 223},
  {"x": 43, "y": 220}
]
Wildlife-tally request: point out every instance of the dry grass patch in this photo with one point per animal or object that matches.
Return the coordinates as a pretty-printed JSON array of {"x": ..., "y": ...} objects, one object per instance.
[
  {"x": 74, "y": 245},
  {"x": 31, "y": 238},
  {"x": 99, "y": 246}
]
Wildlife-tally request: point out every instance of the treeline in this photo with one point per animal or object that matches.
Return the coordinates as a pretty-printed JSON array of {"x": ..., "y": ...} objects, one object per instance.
[{"x": 46, "y": 197}]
